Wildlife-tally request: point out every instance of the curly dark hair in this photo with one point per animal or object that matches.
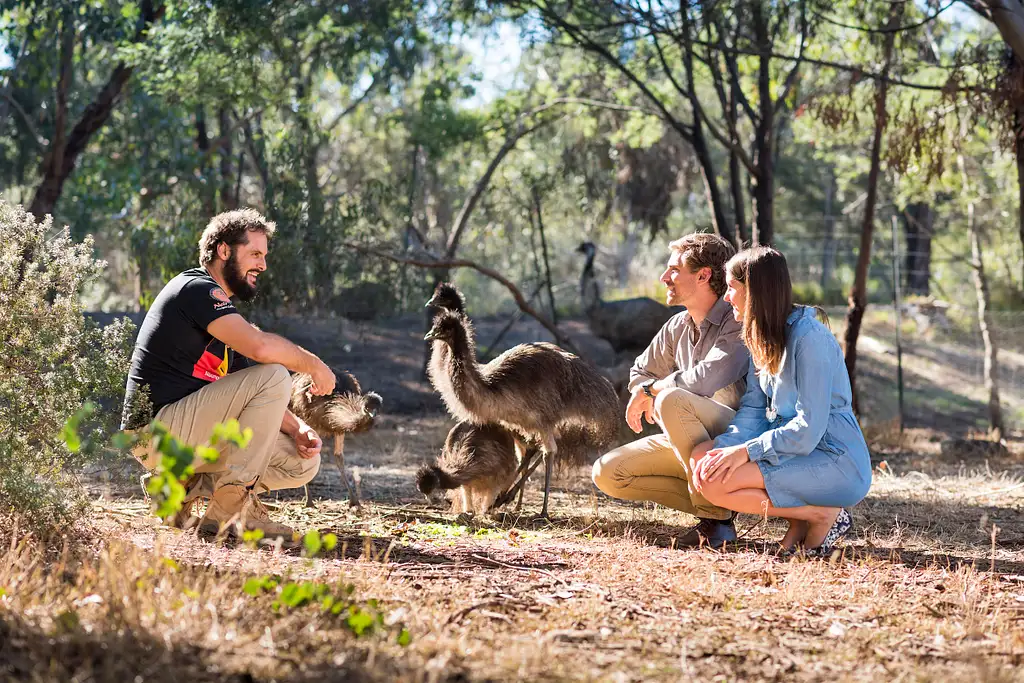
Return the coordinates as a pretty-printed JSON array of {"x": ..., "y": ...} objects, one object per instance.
[
  {"x": 231, "y": 228},
  {"x": 703, "y": 249}
]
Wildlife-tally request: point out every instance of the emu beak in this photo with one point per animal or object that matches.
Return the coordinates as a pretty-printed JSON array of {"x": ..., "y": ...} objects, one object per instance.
[
  {"x": 430, "y": 336},
  {"x": 430, "y": 302}
]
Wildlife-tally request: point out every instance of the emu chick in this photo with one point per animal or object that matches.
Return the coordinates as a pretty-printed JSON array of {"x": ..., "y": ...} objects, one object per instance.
[
  {"x": 478, "y": 460},
  {"x": 346, "y": 410}
]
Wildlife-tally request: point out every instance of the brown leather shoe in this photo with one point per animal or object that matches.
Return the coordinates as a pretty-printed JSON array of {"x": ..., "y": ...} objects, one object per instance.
[{"x": 235, "y": 508}]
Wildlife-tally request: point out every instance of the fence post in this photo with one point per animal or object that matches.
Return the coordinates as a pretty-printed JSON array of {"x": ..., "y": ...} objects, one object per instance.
[{"x": 899, "y": 317}]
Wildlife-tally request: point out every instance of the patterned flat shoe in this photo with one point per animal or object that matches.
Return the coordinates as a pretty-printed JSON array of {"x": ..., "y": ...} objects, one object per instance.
[{"x": 841, "y": 527}]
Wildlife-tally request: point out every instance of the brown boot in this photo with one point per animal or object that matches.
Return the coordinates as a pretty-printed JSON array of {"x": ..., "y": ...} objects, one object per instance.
[{"x": 237, "y": 508}]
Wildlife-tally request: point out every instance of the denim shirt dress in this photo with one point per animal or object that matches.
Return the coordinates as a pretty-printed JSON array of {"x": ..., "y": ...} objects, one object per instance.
[{"x": 799, "y": 426}]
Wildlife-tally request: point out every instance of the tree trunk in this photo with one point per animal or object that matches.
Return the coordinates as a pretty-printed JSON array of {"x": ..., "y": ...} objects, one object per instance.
[
  {"x": 53, "y": 161},
  {"x": 56, "y": 167},
  {"x": 547, "y": 262},
  {"x": 1018, "y": 148},
  {"x": 995, "y": 411},
  {"x": 859, "y": 293},
  {"x": 828, "y": 250},
  {"x": 720, "y": 222},
  {"x": 918, "y": 223},
  {"x": 736, "y": 180},
  {"x": 228, "y": 197},
  {"x": 206, "y": 190},
  {"x": 764, "y": 147}
]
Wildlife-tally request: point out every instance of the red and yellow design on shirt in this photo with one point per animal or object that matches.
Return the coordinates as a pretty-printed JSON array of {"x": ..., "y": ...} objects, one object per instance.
[{"x": 209, "y": 367}]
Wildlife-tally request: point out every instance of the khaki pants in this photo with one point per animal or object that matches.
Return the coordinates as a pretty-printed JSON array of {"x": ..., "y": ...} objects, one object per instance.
[
  {"x": 657, "y": 468},
  {"x": 257, "y": 397}
]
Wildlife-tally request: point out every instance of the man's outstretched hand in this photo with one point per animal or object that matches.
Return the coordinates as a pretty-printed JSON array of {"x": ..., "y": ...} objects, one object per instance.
[{"x": 640, "y": 406}]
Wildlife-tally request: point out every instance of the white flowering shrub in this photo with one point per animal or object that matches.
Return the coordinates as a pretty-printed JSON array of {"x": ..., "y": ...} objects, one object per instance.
[{"x": 53, "y": 361}]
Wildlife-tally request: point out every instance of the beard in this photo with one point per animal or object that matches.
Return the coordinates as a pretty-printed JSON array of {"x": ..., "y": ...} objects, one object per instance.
[{"x": 235, "y": 280}]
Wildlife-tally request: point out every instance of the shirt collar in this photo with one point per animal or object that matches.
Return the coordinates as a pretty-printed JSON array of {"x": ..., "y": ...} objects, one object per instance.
[{"x": 719, "y": 311}]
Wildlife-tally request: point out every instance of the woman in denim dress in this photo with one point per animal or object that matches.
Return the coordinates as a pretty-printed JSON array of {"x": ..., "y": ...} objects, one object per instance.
[{"x": 794, "y": 449}]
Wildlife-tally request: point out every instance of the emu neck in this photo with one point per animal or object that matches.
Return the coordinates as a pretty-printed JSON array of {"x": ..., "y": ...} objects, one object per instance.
[
  {"x": 589, "y": 292},
  {"x": 465, "y": 372}
]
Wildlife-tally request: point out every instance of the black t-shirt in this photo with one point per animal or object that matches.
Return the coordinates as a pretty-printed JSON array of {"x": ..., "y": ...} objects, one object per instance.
[{"x": 174, "y": 354}]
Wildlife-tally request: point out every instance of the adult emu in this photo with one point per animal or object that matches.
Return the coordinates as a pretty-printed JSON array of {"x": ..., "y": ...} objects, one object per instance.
[
  {"x": 479, "y": 460},
  {"x": 534, "y": 390},
  {"x": 346, "y": 410},
  {"x": 626, "y": 324}
]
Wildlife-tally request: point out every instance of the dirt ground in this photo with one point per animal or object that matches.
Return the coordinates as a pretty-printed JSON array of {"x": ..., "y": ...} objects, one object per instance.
[{"x": 929, "y": 587}]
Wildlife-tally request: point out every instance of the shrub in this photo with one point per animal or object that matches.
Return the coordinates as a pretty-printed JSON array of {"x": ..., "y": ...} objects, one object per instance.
[{"x": 53, "y": 361}]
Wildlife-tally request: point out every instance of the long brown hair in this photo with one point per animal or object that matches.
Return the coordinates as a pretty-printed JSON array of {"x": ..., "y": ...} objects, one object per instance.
[{"x": 769, "y": 302}]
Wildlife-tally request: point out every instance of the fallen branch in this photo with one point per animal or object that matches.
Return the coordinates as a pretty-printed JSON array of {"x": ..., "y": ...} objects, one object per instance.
[{"x": 521, "y": 301}]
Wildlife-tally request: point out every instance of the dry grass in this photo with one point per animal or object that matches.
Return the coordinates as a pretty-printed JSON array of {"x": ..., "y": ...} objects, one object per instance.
[{"x": 920, "y": 593}]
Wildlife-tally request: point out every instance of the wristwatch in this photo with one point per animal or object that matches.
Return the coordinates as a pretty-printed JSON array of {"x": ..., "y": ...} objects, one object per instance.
[{"x": 647, "y": 388}]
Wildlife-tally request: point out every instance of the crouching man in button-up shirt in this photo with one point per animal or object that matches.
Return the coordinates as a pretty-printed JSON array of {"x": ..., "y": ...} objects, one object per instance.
[{"x": 689, "y": 381}]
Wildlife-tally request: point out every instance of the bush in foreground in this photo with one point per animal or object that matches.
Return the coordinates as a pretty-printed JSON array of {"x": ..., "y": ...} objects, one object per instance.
[{"x": 52, "y": 361}]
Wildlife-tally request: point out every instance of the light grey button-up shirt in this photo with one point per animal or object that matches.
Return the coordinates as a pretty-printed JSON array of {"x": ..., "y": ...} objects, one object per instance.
[{"x": 710, "y": 360}]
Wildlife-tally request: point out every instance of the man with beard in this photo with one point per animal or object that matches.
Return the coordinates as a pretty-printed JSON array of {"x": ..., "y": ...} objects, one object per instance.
[
  {"x": 689, "y": 381},
  {"x": 198, "y": 362}
]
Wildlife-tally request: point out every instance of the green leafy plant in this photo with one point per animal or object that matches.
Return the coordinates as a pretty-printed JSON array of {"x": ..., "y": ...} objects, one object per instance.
[{"x": 57, "y": 364}]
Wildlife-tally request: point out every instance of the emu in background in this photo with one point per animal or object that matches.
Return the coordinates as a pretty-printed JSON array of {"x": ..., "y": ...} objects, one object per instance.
[
  {"x": 626, "y": 324},
  {"x": 346, "y": 410}
]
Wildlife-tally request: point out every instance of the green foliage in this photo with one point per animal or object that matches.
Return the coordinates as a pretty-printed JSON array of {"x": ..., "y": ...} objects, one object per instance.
[
  {"x": 60, "y": 370},
  {"x": 335, "y": 602},
  {"x": 165, "y": 484}
]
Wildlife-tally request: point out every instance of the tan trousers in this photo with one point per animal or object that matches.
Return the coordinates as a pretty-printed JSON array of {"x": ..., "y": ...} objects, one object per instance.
[
  {"x": 657, "y": 468},
  {"x": 257, "y": 397}
]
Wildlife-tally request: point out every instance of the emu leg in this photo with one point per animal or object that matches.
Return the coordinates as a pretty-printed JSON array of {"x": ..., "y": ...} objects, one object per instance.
[
  {"x": 518, "y": 486},
  {"x": 339, "y": 459},
  {"x": 524, "y": 462},
  {"x": 309, "y": 501},
  {"x": 549, "y": 449}
]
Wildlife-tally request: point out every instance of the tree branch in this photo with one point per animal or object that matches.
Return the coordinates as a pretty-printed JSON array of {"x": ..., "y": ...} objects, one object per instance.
[
  {"x": 580, "y": 39},
  {"x": 462, "y": 220},
  {"x": 351, "y": 107},
  {"x": 430, "y": 262}
]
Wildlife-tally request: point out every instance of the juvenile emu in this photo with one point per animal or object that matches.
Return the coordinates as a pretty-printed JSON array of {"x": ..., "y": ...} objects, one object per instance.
[
  {"x": 346, "y": 410},
  {"x": 534, "y": 390},
  {"x": 479, "y": 460}
]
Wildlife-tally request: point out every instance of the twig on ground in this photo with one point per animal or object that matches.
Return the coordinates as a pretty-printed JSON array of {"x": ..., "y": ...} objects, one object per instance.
[
  {"x": 456, "y": 616},
  {"x": 498, "y": 563}
]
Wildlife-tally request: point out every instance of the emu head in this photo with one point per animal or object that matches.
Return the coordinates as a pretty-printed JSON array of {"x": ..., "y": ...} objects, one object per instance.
[
  {"x": 587, "y": 248},
  {"x": 447, "y": 298},
  {"x": 448, "y": 327}
]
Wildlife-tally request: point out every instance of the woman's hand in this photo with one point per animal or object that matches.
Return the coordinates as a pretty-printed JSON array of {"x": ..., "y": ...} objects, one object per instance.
[{"x": 719, "y": 464}]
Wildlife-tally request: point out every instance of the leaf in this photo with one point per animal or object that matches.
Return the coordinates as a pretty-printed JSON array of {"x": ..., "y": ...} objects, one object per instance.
[
  {"x": 330, "y": 541},
  {"x": 312, "y": 542},
  {"x": 174, "y": 566},
  {"x": 255, "y": 586},
  {"x": 404, "y": 637},
  {"x": 68, "y": 621},
  {"x": 252, "y": 537},
  {"x": 359, "y": 620}
]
